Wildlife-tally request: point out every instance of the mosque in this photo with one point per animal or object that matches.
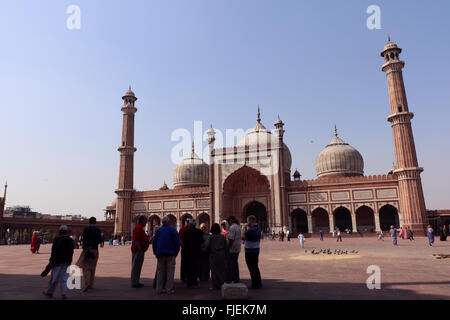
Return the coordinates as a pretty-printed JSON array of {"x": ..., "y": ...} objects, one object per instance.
[{"x": 254, "y": 177}]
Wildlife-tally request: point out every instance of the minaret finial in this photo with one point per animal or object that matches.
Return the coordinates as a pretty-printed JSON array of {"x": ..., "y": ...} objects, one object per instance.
[
  {"x": 335, "y": 131},
  {"x": 259, "y": 115},
  {"x": 389, "y": 38},
  {"x": 129, "y": 87}
]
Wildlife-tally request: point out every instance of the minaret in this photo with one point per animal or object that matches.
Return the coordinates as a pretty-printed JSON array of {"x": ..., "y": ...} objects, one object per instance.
[
  {"x": 211, "y": 139},
  {"x": 412, "y": 203},
  {"x": 279, "y": 129},
  {"x": 125, "y": 190}
]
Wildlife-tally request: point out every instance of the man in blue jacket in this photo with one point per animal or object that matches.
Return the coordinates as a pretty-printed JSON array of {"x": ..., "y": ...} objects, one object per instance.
[
  {"x": 166, "y": 245},
  {"x": 252, "y": 239}
]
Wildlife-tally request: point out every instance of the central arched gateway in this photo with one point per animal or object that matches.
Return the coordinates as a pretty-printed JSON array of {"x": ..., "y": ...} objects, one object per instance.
[
  {"x": 246, "y": 191},
  {"x": 258, "y": 210}
]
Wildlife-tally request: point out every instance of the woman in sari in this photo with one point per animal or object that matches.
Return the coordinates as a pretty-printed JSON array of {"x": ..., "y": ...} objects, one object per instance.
[{"x": 35, "y": 242}]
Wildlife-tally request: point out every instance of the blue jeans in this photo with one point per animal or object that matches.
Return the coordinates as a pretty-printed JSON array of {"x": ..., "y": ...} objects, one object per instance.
[
  {"x": 232, "y": 267},
  {"x": 59, "y": 275}
]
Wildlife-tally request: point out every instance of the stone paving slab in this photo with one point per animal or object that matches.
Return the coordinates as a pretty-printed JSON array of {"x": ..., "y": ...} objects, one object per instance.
[{"x": 408, "y": 271}]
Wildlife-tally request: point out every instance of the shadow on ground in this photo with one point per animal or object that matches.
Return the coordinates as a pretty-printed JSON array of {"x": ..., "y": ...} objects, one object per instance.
[{"x": 27, "y": 287}]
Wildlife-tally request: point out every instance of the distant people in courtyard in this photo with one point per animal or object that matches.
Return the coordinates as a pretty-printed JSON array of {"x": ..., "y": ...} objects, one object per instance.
[
  {"x": 234, "y": 248},
  {"x": 183, "y": 264},
  {"x": 35, "y": 242},
  {"x": 321, "y": 234},
  {"x": 252, "y": 243},
  {"x": 92, "y": 237},
  {"x": 59, "y": 262},
  {"x": 301, "y": 239},
  {"x": 139, "y": 245},
  {"x": 410, "y": 234},
  {"x": 203, "y": 261},
  {"x": 166, "y": 246},
  {"x": 191, "y": 252},
  {"x": 333, "y": 233},
  {"x": 282, "y": 235},
  {"x": 430, "y": 235},
  {"x": 273, "y": 235},
  {"x": 216, "y": 246},
  {"x": 288, "y": 235},
  {"x": 224, "y": 226},
  {"x": 380, "y": 236},
  {"x": 338, "y": 234},
  {"x": 393, "y": 232}
]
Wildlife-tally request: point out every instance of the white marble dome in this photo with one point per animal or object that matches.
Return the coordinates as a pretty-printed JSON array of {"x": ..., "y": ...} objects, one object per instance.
[
  {"x": 260, "y": 136},
  {"x": 191, "y": 172},
  {"x": 339, "y": 159}
]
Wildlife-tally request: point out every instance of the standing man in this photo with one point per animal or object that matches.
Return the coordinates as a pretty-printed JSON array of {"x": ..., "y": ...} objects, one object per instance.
[
  {"x": 234, "y": 248},
  {"x": 92, "y": 237},
  {"x": 191, "y": 252},
  {"x": 338, "y": 234},
  {"x": 321, "y": 235},
  {"x": 166, "y": 245},
  {"x": 139, "y": 245},
  {"x": 60, "y": 260},
  {"x": 252, "y": 242},
  {"x": 288, "y": 235}
]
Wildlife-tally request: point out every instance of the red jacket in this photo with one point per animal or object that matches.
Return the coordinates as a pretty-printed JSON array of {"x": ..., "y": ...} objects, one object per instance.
[
  {"x": 139, "y": 236},
  {"x": 181, "y": 233}
]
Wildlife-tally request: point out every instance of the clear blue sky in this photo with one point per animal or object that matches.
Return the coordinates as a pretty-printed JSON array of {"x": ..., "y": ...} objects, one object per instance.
[{"x": 314, "y": 63}]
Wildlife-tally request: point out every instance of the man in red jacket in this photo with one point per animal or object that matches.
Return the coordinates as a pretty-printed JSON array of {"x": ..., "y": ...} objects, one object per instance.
[{"x": 139, "y": 246}]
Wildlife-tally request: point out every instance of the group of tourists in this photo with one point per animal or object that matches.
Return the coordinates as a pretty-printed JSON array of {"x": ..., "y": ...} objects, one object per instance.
[
  {"x": 281, "y": 235},
  {"x": 62, "y": 255},
  {"x": 205, "y": 254}
]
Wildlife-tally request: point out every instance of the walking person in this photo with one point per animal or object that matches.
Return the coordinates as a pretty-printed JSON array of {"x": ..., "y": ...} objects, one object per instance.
[
  {"x": 410, "y": 234},
  {"x": 393, "y": 232},
  {"x": 203, "y": 261},
  {"x": 216, "y": 246},
  {"x": 234, "y": 248},
  {"x": 288, "y": 235},
  {"x": 252, "y": 243},
  {"x": 191, "y": 252},
  {"x": 380, "y": 236},
  {"x": 282, "y": 235},
  {"x": 139, "y": 245},
  {"x": 166, "y": 246},
  {"x": 89, "y": 256},
  {"x": 430, "y": 235},
  {"x": 60, "y": 260},
  {"x": 301, "y": 238},
  {"x": 339, "y": 237},
  {"x": 321, "y": 235}
]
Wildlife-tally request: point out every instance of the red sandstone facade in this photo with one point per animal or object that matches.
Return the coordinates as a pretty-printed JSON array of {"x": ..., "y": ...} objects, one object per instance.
[{"x": 240, "y": 183}]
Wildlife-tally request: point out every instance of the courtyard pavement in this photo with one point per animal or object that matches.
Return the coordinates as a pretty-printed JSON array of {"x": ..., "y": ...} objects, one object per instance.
[{"x": 409, "y": 271}]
